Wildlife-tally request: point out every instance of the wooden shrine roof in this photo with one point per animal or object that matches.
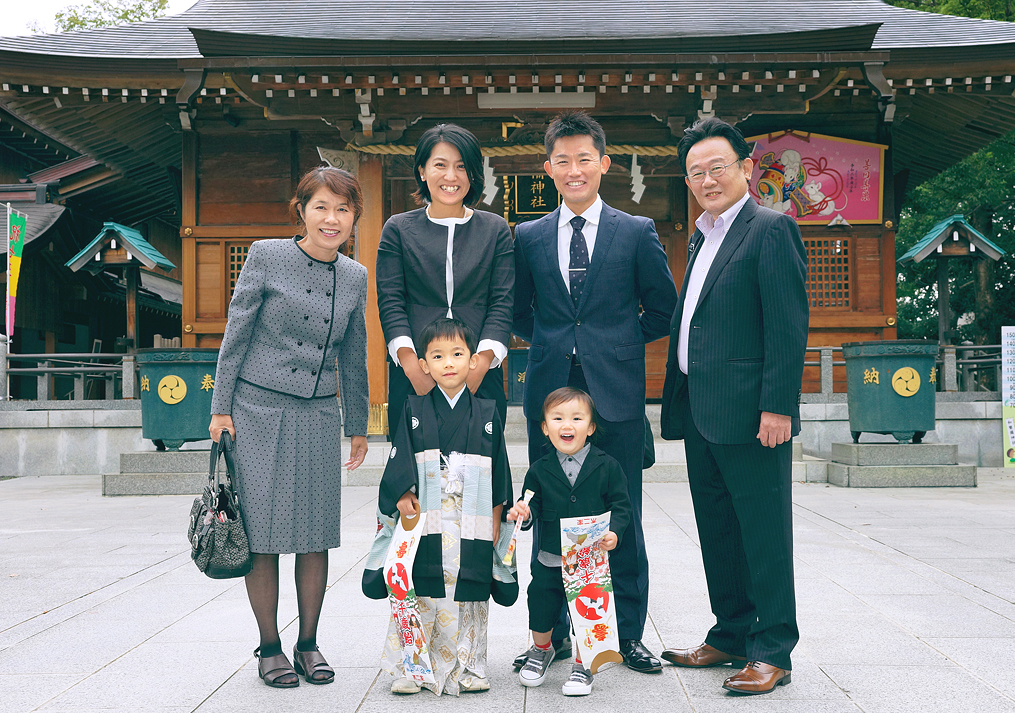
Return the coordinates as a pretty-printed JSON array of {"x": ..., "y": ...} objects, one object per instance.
[{"x": 394, "y": 27}]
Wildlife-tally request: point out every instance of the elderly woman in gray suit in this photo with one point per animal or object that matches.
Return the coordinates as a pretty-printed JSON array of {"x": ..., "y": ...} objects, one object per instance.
[
  {"x": 297, "y": 312},
  {"x": 445, "y": 260}
]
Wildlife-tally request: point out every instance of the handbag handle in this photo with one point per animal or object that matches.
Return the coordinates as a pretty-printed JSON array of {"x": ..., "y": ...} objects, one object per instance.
[{"x": 224, "y": 446}]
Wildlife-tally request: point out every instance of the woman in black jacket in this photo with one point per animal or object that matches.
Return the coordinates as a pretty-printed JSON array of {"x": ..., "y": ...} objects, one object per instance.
[{"x": 445, "y": 260}]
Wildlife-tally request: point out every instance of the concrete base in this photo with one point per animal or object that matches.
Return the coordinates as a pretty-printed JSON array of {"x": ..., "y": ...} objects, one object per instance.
[
  {"x": 902, "y": 476},
  {"x": 895, "y": 453},
  {"x": 159, "y": 473},
  {"x": 898, "y": 465}
]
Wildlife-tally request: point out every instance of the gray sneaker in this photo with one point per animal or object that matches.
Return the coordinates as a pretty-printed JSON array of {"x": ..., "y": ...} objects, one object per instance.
[
  {"x": 579, "y": 683},
  {"x": 534, "y": 671},
  {"x": 562, "y": 651}
]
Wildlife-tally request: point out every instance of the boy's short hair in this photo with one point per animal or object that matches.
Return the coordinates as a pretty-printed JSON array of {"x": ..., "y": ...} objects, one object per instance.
[
  {"x": 574, "y": 123},
  {"x": 569, "y": 393},
  {"x": 445, "y": 328}
]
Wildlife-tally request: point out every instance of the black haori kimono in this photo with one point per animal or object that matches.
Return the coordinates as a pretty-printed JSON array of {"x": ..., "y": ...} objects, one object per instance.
[{"x": 455, "y": 460}]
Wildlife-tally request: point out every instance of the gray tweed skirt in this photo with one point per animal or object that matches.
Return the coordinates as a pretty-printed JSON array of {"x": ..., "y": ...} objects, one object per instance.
[{"x": 289, "y": 469}]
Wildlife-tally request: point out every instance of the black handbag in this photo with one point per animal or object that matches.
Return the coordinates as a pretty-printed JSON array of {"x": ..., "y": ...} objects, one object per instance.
[{"x": 218, "y": 542}]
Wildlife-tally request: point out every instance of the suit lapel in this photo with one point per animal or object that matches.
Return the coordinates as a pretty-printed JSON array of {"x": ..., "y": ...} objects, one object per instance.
[
  {"x": 730, "y": 243},
  {"x": 549, "y": 239},
  {"x": 608, "y": 222}
]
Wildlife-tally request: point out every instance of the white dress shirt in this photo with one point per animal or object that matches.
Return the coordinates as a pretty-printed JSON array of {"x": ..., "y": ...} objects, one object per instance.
[
  {"x": 565, "y": 231},
  {"x": 499, "y": 350},
  {"x": 713, "y": 232}
]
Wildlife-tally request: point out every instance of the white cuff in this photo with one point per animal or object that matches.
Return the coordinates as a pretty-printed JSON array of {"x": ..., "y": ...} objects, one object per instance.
[
  {"x": 397, "y": 343},
  {"x": 499, "y": 351}
]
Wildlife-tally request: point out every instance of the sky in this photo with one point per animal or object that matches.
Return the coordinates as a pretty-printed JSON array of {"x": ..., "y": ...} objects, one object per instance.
[{"x": 15, "y": 16}]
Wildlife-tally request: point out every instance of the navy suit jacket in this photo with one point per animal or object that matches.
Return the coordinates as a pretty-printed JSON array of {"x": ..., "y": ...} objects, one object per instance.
[
  {"x": 628, "y": 272},
  {"x": 748, "y": 332}
]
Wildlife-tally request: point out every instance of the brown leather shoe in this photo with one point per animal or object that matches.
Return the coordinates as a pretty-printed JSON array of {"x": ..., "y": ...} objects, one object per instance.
[
  {"x": 700, "y": 657},
  {"x": 757, "y": 677}
]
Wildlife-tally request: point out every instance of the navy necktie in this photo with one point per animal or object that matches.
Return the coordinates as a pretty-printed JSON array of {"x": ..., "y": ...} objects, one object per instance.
[{"x": 579, "y": 265}]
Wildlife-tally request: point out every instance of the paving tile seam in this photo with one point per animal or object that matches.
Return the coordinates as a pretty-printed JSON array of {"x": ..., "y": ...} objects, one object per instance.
[
  {"x": 371, "y": 688},
  {"x": 669, "y": 517},
  {"x": 122, "y": 586}
]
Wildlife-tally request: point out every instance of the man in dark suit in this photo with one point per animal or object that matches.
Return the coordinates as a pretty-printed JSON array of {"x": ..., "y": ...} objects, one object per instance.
[
  {"x": 592, "y": 287},
  {"x": 733, "y": 376}
]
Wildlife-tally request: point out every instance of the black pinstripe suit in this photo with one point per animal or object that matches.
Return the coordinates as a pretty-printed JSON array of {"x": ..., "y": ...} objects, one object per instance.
[{"x": 745, "y": 355}]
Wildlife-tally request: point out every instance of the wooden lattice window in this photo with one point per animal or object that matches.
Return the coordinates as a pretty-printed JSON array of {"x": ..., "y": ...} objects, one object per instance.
[
  {"x": 828, "y": 272},
  {"x": 237, "y": 253}
]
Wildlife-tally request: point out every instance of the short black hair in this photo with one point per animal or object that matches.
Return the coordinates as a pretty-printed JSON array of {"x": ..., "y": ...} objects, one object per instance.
[
  {"x": 565, "y": 394},
  {"x": 445, "y": 328},
  {"x": 467, "y": 145},
  {"x": 709, "y": 128},
  {"x": 574, "y": 123}
]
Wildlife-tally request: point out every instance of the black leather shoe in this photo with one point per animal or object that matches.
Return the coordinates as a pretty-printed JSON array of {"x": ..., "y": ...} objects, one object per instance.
[
  {"x": 562, "y": 650},
  {"x": 638, "y": 658}
]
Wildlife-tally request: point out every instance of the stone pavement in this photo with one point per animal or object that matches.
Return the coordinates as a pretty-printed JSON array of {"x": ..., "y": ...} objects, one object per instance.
[{"x": 906, "y": 603}]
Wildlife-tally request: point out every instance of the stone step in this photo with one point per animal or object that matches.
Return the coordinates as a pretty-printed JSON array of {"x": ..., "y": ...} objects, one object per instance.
[
  {"x": 902, "y": 476},
  {"x": 874, "y": 454}
]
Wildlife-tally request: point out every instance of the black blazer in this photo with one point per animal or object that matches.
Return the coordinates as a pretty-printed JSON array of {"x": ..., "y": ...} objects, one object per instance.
[
  {"x": 628, "y": 274},
  {"x": 748, "y": 333},
  {"x": 600, "y": 486},
  {"x": 411, "y": 270}
]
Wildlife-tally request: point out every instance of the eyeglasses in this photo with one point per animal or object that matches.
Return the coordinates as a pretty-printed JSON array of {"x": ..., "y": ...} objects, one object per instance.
[{"x": 714, "y": 172}]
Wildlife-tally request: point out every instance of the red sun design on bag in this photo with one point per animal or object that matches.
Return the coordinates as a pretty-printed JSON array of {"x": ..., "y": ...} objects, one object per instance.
[
  {"x": 593, "y": 602},
  {"x": 398, "y": 579}
]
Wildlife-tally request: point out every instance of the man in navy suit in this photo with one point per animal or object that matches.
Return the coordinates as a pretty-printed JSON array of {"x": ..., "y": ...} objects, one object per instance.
[
  {"x": 592, "y": 288},
  {"x": 732, "y": 390}
]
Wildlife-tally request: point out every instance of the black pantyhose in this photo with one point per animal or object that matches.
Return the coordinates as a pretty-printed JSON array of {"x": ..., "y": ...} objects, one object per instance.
[{"x": 262, "y": 591}]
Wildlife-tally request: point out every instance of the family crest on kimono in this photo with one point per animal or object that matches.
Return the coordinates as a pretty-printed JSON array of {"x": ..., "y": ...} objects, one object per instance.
[{"x": 449, "y": 461}]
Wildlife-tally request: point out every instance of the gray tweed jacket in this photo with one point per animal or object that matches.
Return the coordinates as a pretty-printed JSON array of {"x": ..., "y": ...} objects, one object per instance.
[{"x": 290, "y": 320}]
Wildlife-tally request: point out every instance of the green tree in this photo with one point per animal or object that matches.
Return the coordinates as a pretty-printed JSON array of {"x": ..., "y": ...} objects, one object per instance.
[
  {"x": 982, "y": 188},
  {"x": 102, "y": 13},
  {"x": 982, "y": 9}
]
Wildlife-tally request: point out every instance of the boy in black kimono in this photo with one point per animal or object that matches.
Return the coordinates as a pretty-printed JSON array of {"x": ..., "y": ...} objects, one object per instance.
[
  {"x": 449, "y": 459},
  {"x": 575, "y": 480}
]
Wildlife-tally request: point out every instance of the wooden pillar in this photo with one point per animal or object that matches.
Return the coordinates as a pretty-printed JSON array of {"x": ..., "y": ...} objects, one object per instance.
[
  {"x": 131, "y": 273},
  {"x": 368, "y": 236},
  {"x": 188, "y": 220},
  {"x": 943, "y": 315}
]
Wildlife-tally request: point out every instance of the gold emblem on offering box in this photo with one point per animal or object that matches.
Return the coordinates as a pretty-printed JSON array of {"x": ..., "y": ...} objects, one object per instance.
[
  {"x": 906, "y": 381},
  {"x": 870, "y": 376},
  {"x": 172, "y": 389},
  {"x": 207, "y": 383}
]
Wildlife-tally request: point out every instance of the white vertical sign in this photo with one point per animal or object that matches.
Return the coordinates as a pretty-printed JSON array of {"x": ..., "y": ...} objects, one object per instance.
[{"x": 1008, "y": 394}]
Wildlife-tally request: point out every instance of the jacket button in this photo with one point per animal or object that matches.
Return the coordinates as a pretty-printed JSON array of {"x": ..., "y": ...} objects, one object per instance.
[
  {"x": 313, "y": 373},
  {"x": 294, "y": 369},
  {"x": 320, "y": 346},
  {"x": 299, "y": 344},
  {"x": 574, "y": 498},
  {"x": 326, "y": 320},
  {"x": 308, "y": 290},
  {"x": 306, "y": 316},
  {"x": 327, "y": 294},
  {"x": 310, "y": 264},
  {"x": 567, "y": 356},
  {"x": 331, "y": 268},
  {"x": 578, "y": 323}
]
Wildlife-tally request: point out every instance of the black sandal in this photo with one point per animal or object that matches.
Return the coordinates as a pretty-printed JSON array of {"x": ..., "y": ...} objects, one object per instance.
[
  {"x": 272, "y": 668},
  {"x": 310, "y": 663}
]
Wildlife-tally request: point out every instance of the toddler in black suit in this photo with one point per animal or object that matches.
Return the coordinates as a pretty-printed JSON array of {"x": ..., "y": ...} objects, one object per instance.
[{"x": 576, "y": 479}]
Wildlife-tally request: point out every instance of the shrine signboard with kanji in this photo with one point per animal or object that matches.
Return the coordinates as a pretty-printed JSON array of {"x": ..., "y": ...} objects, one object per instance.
[{"x": 529, "y": 197}]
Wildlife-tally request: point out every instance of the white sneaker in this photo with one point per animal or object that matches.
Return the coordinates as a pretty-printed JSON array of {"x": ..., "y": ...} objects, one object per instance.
[
  {"x": 579, "y": 683},
  {"x": 533, "y": 673},
  {"x": 404, "y": 686}
]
